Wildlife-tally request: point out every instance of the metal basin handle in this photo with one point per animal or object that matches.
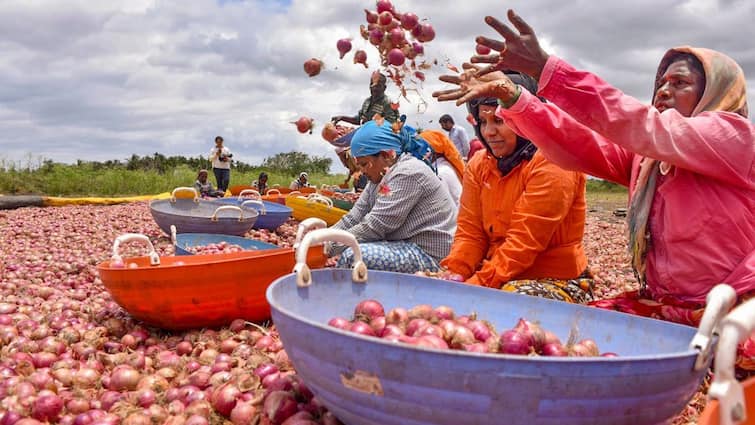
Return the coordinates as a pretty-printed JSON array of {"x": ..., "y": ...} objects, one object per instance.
[
  {"x": 214, "y": 216},
  {"x": 184, "y": 189},
  {"x": 154, "y": 259},
  {"x": 273, "y": 192},
  {"x": 173, "y": 236},
  {"x": 304, "y": 275},
  {"x": 257, "y": 202},
  {"x": 320, "y": 199},
  {"x": 735, "y": 328},
  {"x": 255, "y": 194},
  {"x": 718, "y": 302},
  {"x": 306, "y": 225}
]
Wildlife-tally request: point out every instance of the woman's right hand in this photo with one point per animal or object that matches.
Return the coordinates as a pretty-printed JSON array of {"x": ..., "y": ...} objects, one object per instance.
[{"x": 519, "y": 50}]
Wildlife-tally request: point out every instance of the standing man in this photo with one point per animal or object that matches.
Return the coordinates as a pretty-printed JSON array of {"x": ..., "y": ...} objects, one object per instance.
[
  {"x": 457, "y": 135},
  {"x": 220, "y": 156}
]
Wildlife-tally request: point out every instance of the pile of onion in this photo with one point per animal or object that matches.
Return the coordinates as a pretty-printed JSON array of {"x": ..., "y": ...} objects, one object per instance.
[
  {"x": 398, "y": 37},
  {"x": 440, "y": 327}
]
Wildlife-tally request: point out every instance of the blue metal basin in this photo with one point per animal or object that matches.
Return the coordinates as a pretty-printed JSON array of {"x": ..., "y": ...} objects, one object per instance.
[
  {"x": 186, "y": 240},
  {"x": 367, "y": 381},
  {"x": 273, "y": 216},
  {"x": 200, "y": 216}
]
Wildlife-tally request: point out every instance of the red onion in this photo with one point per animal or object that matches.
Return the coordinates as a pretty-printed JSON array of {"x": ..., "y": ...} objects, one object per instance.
[
  {"x": 184, "y": 348},
  {"x": 360, "y": 56},
  {"x": 47, "y": 407},
  {"x": 362, "y": 329},
  {"x": 265, "y": 369},
  {"x": 384, "y": 6},
  {"x": 421, "y": 311},
  {"x": 592, "y": 347},
  {"x": 480, "y": 329},
  {"x": 279, "y": 406},
  {"x": 378, "y": 324},
  {"x": 432, "y": 341},
  {"x": 340, "y": 323},
  {"x": 224, "y": 398},
  {"x": 109, "y": 398},
  {"x": 312, "y": 67},
  {"x": 370, "y": 16},
  {"x": 228, "y": 345},
  {"x": 515, "y": 342},
  {"x": 243, "y": 413},
  {"x": 124, "y": 378},
  {"x": 554, "y": 349},
  {"x": 397, "y": 316},
  {"x": 409, "y": 21},
  {"x": 344, "y": 46},
  {"x": 391, "y": 330},
  {"x": 368, "y": 309},
  {"x": 196, "y": 420},
  {"x": 442, "y": 312},
  {"x": 462, "y": 336},
  {"x": 415, "y": 325},
  {"x": 145, "y": 398}
]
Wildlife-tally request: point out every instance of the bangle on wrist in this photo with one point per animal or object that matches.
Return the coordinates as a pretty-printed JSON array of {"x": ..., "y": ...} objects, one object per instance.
[{"x": 512, "y": 100}]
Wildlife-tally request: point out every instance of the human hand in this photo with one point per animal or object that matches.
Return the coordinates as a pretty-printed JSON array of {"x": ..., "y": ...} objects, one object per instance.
[
  {"x": 473, "y": 85},
  {"x": 519, "y": 51}
]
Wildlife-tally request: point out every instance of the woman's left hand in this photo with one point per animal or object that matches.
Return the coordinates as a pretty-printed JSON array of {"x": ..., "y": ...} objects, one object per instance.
[{"x": 471, "y": 85}]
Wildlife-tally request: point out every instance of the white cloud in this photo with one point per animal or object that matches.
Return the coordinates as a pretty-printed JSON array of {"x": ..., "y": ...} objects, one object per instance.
[{"x": 104, "y": 80}]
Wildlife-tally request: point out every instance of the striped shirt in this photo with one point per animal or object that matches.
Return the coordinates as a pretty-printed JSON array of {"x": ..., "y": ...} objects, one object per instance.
[{"x": 409, "y": 204}]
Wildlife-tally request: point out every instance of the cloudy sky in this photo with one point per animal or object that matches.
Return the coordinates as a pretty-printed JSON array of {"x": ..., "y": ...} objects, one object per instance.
[{"x": 98, "y": 80}]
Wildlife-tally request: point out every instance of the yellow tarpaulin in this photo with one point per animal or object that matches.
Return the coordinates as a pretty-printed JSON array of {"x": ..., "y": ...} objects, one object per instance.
[{"x": 54, "y": 201}]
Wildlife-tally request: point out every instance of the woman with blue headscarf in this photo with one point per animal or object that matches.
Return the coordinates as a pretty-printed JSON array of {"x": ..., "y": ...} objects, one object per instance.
[{"x": 405, "y": 219}]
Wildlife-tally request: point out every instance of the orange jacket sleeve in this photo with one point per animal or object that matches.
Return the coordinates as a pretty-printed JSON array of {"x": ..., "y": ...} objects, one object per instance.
[
  {"x": 548, "y": 195},
  {"x": 470, "y": 241}
]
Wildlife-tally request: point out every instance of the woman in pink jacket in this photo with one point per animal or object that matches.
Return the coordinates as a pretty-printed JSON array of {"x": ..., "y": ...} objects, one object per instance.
[{"x": 688, "y": 160}]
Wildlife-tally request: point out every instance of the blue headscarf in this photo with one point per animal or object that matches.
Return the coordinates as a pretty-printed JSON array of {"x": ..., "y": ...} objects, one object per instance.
[{"x": 371, "y": 139}]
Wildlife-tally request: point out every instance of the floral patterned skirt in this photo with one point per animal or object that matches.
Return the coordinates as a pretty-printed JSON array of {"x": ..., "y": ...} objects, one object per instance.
[
  {"x": 398, "y": 256},
  {"x": 577, "y": 290}
]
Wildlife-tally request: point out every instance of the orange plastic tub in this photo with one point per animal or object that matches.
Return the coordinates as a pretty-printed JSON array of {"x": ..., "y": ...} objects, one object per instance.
[{"x": 199, "y": 291}]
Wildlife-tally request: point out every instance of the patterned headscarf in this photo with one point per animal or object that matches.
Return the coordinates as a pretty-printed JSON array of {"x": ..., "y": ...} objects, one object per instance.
[
  {"x": 443, "y": 146},
  {"x": 372, "y": 138},
  {"x": 725, "y": 90}
]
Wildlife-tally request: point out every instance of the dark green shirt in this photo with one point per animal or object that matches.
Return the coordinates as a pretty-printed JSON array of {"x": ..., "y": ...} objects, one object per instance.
[{"x": 380, "y": 106}]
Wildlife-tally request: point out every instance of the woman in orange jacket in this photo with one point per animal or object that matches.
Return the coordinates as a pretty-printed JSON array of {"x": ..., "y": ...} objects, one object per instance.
[{"x": 521, "y": 218}]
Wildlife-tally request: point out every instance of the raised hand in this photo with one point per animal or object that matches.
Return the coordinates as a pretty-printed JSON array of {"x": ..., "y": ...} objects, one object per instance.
[
  {"x": 473, "y": 84},
  {"x": 519, "y": 50}
]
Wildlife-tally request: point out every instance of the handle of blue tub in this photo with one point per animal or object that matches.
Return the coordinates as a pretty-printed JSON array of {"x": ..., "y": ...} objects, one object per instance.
[
  {"x": 257, "y": 202},
  {"x": 717, "y": 304},
  {"x": 735, "y": 328},
  {"x": 303, "y": 273},
  {"x": 306, "y": 225},
  {"x": 254, "y": 193},
  {"x": 173, "y": 235},
  {"x": 154, "y": 259},
  {"x": 214, "y": 216},
  {"x": 184, "y": 189}
]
